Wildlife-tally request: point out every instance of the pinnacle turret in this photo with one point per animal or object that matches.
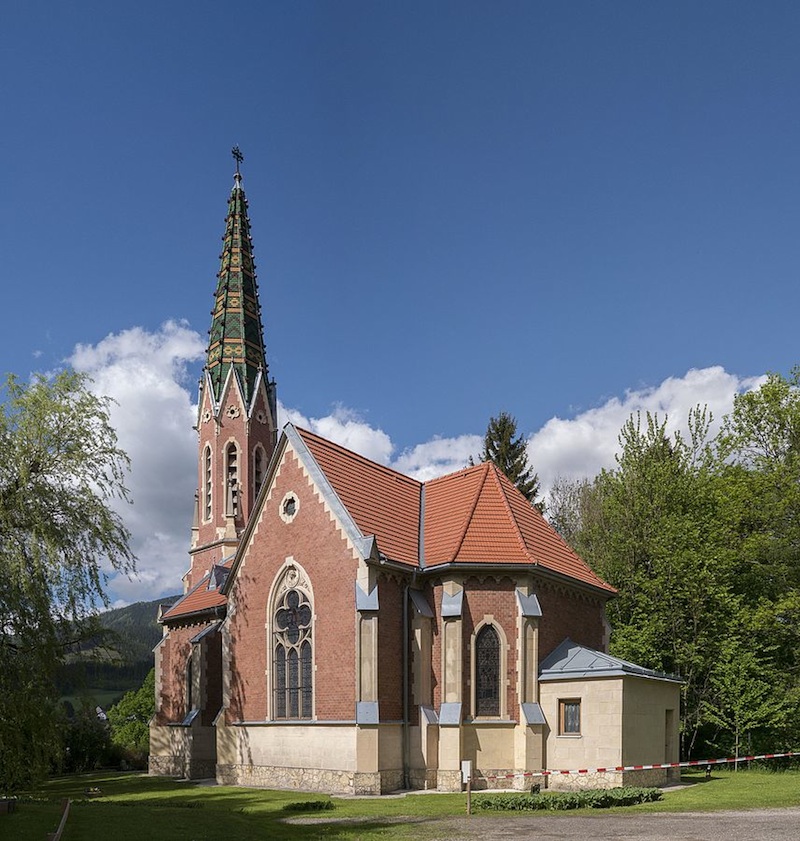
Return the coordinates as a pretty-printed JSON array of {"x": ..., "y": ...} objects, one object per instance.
[{"x": 236, "y": 340}]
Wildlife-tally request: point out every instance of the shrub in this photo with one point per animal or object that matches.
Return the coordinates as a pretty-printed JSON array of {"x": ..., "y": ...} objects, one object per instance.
[
  {"x": 309, "y": 806},
  {"x": 561, "y": 801}
]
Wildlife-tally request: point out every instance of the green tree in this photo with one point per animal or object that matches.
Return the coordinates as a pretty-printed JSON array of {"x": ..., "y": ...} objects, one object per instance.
[
  {"x": 743, "y": 698},
  {"x": 569, "y": 506},
  {"x": 59, "y": 468},
  {"x": 655, "y": 535},
  {"x": 130, "y": 718},
  {"x": 506, "y": 449}
]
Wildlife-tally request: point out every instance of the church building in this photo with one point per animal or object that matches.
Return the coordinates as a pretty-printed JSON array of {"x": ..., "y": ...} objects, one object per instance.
[{"x": 349, "y": 629}]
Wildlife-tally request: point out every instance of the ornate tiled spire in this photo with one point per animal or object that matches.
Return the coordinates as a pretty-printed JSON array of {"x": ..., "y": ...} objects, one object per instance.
[{"x": 236, "y": 338}]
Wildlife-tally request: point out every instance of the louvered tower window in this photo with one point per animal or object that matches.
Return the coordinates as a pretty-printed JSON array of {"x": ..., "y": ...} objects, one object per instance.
[
  {"x": 259, "y": 465},
  {"x": 207, "y": 484},
  {"x": 232, "y": 476}
]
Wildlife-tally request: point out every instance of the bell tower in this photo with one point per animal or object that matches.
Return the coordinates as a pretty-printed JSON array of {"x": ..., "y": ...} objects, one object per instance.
[{"x": 236, "y": 423}]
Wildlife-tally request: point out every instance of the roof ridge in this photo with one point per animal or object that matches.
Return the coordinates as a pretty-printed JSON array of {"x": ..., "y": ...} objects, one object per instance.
[
  {"x": 520, "y": 537},
  {"x": 327, "y": 441},
  {"x": 468, "y": 519},
  {"x": 468, "y": 469}
]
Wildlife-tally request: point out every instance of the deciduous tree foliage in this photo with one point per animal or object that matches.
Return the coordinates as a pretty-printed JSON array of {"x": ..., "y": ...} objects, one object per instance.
[
  {"x": 506, "y": 449},
  {"x": 130, "y": 718},
  {"x": 59, "y": 468},
  {"x": 701, "y": 537}
]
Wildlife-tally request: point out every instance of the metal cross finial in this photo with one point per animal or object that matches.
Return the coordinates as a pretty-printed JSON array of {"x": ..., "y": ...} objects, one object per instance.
[{"x": 237, "y": 156}]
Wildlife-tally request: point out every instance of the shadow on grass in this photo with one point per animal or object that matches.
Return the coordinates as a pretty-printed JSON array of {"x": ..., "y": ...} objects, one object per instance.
[{"x": 136, "y": 806}]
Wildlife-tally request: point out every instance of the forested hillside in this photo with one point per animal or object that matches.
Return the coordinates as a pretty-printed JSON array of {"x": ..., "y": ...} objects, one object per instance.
[{"x": 118, "y": 659}]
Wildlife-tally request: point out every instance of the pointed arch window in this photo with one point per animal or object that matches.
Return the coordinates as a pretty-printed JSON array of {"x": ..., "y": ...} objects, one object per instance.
[
  {"x": 487, "y": 672},
  {"x": 292, "y": 650},
  {"x": 189, "y": 684},
  {"x": 207, "y": 484},
  {"x": 232, "y": 478}
]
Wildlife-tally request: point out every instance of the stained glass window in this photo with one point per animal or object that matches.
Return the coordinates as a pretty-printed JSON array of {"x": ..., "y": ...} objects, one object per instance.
[
  {"x": 293, "y": 668},
  {"x": 487, "y": 672}
]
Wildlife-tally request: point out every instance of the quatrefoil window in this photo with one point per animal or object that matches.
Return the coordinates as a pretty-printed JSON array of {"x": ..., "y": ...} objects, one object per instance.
[
  {"x": 294, "y": 617},
  {"x": 233, "y": 411}
]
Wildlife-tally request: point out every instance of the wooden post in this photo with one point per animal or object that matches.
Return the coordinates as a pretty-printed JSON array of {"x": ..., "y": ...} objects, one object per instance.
[{"x": 469, "y": 794}]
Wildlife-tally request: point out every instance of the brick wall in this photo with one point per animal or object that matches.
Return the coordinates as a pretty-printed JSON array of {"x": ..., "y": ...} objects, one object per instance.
[
  {"x": 317, "y": 546},
  {"x": 390, "y": 648},
  {"x": 568, "y": 612},
  {"x": 174, "y": 653},
  {"x": 497, "y": 598}
]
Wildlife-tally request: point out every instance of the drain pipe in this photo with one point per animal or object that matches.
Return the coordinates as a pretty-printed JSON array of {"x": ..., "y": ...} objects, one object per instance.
[{"x": 406, "y": 686}]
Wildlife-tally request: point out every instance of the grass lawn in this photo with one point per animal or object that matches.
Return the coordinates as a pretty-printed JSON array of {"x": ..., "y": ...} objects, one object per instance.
[{"x": 133, "y": 806}]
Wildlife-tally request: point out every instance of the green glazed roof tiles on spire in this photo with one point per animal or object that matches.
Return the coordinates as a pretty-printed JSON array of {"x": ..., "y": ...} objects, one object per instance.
[{"x": 236, "y": 338}]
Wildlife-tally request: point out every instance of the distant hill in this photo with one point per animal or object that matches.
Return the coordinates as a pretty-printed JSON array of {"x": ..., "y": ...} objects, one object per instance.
[
  {"x": 135, "y": 628},
  {"x": 108, "y": 667}
]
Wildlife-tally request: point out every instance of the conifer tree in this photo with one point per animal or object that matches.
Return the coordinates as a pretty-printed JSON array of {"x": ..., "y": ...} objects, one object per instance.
[{"x": 507, "y": 450}]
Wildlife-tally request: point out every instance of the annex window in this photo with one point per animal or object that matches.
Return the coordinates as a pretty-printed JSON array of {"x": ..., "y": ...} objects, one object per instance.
[
  {"x": 487, "y": 672},
  {"x": 207, "y": 484},
  {"x": 292, "y": 682},
  {"x": 569, "y": 717},
  {"x": 232, "y": 478}
]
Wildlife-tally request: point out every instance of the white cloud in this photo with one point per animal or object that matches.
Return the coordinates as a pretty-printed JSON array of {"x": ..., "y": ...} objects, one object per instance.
[
  {"x": 438, "y": 457},
  {"x": 147, "y": 374},
  {"x": 582, "y": 446},
  {"x": 346, "y": 428}
]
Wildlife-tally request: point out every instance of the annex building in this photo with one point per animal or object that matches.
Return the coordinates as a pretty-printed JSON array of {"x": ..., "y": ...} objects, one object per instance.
[{"x": 346, "y": 628}]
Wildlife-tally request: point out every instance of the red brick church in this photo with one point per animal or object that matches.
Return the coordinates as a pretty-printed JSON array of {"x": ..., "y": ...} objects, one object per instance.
[{"x": 346, "y": 628}]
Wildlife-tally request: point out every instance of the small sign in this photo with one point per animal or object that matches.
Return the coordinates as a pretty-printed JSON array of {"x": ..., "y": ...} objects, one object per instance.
[{"x": 466, "y": 770}]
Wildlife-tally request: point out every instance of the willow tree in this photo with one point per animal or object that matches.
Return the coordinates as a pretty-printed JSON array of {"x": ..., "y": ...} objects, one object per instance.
[{"x": 60, "y": 468}]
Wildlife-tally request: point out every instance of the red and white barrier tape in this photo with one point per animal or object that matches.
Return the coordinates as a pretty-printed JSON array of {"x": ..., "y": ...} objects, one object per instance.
[{"x": 692, "y": 763}]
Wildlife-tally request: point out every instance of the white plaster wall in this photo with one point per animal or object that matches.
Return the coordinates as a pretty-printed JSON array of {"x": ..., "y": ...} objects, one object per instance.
[
  {"x": 299, "y": 746},
  {"x": 390, "y": 747},
  {"x": 644, "y": 735},
  {"x": 489, "y": 746},
  {"x": 600, "y": 742}
]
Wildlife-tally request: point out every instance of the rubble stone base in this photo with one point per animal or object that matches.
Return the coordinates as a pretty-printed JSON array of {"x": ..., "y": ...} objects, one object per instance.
[{"x": 309, "y": 779}]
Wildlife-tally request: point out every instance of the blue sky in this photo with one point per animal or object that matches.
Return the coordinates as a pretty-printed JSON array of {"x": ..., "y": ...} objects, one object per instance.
[{"x": 566, "y": 210}]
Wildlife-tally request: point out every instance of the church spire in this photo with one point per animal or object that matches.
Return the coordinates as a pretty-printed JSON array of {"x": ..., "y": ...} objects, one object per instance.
[{"x": 236, "y": 340}]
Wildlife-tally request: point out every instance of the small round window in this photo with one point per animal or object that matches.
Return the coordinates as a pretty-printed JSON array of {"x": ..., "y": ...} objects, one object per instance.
[{"x": 289, "y": 507}]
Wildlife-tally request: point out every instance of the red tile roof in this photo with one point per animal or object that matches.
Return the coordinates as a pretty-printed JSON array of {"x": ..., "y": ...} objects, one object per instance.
[
  {"x": 478, "y": 516},
  {"x": 473, "y": 516},
  {"x": 381, "y": 501},
  {"x": 198, "y": 600}
]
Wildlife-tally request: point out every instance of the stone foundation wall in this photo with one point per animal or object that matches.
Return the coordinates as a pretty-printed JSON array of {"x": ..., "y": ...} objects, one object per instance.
[
  {"x": 649, "y": 778},
  {"x": 422, "y": 778},
  {"x": 448, "y": 781},
  {"x": 298, "y": 779},
  {"x": 484, "y": 779},
  {"x": 391, "y": 780},
  {"x": 166, "y": 766},
  {"x": 310, "y": 779}
]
